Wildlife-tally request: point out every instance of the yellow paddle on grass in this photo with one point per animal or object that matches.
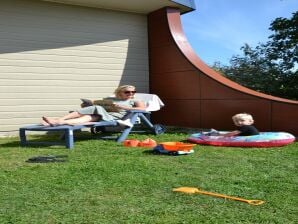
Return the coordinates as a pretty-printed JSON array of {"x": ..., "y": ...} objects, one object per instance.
[{"x": 193, "y": 190}]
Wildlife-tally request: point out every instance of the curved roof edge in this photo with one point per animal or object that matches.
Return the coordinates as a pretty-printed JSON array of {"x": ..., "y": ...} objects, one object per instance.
[
  {"x": 190, "y": 4},
  {"x": 185, "y": 48},
  {"x": 134, "y": 6}
]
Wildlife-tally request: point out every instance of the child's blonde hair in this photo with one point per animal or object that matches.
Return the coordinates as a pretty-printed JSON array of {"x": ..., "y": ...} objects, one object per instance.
[
  {"x": 243, "y": 116},
  {"x": 122, "y": 88}
]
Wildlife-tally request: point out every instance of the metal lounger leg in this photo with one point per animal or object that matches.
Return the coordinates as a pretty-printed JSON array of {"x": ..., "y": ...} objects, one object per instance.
[
  {"x": 124, "y": 134},
  {"x": 127, "y": 130},
  {"x": 146, "y": 121},
  {"x": 157, "y": 129},
  {"x": 69, "y": 138},
  {"x": 22, "y": 134}
]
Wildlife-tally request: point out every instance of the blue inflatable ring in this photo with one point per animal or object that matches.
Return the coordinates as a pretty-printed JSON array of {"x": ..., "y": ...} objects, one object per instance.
[{"x": 264, "y": 139}]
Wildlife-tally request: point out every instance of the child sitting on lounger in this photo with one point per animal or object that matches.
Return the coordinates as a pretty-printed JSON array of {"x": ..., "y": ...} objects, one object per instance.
[
  {"x": 123, "y": 101},
  {"x": 244, "y": 122}
]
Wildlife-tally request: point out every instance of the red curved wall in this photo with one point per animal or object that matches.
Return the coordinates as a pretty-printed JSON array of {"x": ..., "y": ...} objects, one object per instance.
[{"x": 197, "y": 96}]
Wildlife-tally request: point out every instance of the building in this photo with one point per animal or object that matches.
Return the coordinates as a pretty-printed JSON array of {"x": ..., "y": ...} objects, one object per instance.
[{"x": 54, "y": 52}]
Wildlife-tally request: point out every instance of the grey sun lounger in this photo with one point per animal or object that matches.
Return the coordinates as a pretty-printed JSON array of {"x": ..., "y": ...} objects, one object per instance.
[{"x": 135, "y": 117}]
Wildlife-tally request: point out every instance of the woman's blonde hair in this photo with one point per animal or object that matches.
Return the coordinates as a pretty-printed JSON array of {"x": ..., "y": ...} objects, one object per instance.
[
  {"x": 122, "y": 88},
  {"x": 242, "y": 116}
]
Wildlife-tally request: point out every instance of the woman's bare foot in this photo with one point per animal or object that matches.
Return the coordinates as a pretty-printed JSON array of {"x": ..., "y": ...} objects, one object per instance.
[
  {"x": 44, "y": 123},
  {"x": 51, "y": 121}
]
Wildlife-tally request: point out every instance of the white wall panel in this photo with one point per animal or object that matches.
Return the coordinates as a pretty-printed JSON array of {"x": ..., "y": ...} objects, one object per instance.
[{"x": 53, "y": 54}]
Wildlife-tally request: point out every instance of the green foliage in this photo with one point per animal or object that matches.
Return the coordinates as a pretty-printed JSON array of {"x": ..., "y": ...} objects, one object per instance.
[
  {"x": 272, "y": 67},
  {"x": 104, "y": 182},
  {"x": 283, "y": 45}
]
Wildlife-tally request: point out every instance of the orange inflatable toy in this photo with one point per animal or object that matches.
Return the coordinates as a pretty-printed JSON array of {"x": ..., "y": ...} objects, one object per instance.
[{"x": 136, "y": 143}]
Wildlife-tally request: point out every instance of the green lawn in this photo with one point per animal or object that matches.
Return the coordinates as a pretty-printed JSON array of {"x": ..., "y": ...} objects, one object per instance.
[{"x": 104, "y": 182}]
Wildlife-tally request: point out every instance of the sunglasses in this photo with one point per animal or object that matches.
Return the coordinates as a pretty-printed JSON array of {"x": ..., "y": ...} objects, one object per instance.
[{"x": 128, "y": 92}]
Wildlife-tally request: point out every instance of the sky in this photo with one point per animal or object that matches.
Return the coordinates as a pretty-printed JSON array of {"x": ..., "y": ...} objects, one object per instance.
[{"x": 217, "y": 29}]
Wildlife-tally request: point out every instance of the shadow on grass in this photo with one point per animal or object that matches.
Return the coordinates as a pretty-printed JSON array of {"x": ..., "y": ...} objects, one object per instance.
[
  {"x": 56, "y": 139},
  {"x": 148, "y": 152},
  {"x": 48, "y": 159},
  {"x": 154, "y": 153},
  {"x": 184, "y": 130},
  {"x": 12, "y": 144},
  {"x": 48, "y": 139}
]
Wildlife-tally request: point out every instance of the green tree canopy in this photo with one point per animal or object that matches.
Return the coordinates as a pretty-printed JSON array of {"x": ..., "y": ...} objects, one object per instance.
[{"x": 270, "y": 67}]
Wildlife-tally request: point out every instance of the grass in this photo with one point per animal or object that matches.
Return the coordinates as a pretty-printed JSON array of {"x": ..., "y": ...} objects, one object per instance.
[{"x": 103, "y": 182}]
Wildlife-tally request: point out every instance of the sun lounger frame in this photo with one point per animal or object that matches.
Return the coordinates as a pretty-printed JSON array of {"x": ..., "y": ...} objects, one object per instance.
[{"x": 68, "y": 130}]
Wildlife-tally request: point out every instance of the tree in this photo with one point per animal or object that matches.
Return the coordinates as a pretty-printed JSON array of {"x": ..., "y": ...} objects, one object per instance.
[{"x": 270, "y": 67}]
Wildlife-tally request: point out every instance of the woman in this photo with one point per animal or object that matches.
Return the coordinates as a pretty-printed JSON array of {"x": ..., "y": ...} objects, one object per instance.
[{"x": 123, "y": 101}]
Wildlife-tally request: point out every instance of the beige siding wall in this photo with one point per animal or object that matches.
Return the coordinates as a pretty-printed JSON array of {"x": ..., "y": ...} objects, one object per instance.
[{"x": 53, "y": 54}]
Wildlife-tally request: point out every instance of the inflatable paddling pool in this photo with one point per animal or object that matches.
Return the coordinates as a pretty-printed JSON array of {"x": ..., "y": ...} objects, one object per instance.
[{"x": 264, "y": 139}]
